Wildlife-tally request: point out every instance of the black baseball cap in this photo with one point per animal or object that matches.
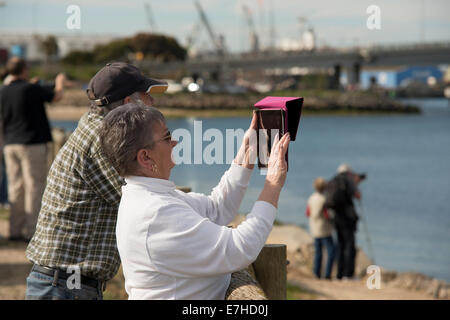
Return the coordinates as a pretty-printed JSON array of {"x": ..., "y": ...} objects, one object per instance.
[{"x": 117, "y": 80}]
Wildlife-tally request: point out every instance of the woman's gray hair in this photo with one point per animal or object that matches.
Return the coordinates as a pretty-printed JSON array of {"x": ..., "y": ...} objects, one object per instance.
[
  {"x": 125, "y": 130},
  {"x": 104, "y": 110}
]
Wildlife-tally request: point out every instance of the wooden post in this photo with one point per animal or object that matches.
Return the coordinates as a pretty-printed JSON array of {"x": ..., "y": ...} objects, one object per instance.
[{"x": 270, "y": 271}]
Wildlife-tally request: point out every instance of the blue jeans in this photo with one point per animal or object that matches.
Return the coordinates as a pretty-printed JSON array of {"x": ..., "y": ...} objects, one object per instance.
[
  {"x": 329, "y": 244},
  {"x": 41, "y": 287}
]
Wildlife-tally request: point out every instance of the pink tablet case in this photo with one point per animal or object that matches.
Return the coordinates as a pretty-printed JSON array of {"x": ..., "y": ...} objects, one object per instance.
[{"x": 292, "y": 107}]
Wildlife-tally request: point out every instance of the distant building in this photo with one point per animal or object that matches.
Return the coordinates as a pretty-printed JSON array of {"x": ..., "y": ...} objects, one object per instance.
[
  {"x": 306, "y": 43},
  {"x": 309, "y": 40},
  {"x": 429, "y": 75},
  {"x": 394, "y": 78},
  {"x": 28, "y": 45},
  {"x": 383, "y": 78}
]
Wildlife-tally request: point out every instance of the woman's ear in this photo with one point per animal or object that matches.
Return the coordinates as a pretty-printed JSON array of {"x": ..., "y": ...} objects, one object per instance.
[{"x": 144, "y": 159}]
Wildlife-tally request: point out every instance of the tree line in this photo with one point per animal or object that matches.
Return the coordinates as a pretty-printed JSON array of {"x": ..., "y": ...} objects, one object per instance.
[{"x": 141, "y": 46}]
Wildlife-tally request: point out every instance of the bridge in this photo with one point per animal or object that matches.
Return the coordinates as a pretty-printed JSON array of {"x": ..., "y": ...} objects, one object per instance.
[{"x": 352, "y": 60}]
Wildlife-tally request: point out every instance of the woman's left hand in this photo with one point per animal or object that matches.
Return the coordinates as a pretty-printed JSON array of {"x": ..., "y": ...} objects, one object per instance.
[{"x": 246, "y": 156}]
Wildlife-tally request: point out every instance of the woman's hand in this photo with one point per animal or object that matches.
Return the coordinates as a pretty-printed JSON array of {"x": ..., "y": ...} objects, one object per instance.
[
  {"x": 246, "y": 156},
  {"x": 276, "y": 171},
  {"x": 277, "y": 166}
]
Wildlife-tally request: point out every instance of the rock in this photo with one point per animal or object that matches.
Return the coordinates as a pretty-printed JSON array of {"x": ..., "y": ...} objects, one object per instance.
[
  {"x": 388, "y": 275},
  {"x": 438, "y": 289},
  {"x": 434, "y": 288},
  {"x": 412, "y": 281},
  {"x": 444, "y": 292},
  {"x": 292, "y": 236},
  {"x": 361, "y": 263}
]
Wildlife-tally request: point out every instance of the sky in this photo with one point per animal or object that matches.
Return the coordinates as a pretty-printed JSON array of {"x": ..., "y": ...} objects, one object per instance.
[{"x": 335, "y": 23}]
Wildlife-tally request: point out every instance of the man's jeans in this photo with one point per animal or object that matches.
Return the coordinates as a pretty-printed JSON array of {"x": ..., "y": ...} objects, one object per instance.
[
  {"x": 42, "y": 287},
  {"x": 328, "y": 243}
]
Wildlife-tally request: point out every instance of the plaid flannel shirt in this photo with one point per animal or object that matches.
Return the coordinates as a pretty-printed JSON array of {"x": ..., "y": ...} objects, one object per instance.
[{"x": 76, "y": 224}]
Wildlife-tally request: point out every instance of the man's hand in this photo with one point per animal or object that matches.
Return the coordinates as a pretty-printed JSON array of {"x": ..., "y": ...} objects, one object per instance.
[
  {"x": 60, "y": 82},
  {"x": 34, "y": 80},
  {"x": 246, "y": 156},
  {"x": 357, "y": 180}
]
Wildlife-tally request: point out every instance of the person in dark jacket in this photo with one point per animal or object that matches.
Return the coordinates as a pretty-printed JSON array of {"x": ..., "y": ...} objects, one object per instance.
[
  {"x": 26, "y": 132},
  {"x": 340, "y": 192}
]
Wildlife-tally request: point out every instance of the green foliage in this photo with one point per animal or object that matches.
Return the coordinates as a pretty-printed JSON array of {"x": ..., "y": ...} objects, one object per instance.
[
  {"x": 78, "y": 57},
  {"x": 49, "y": 46},
  {"x": 315, "y": 81},
  {"x": 152, "y": 46},
  {"x": 295, "y": 292},
  {"x": 157, "y": 46},
  {"x": 86, "y": 72},
  {"x": 115, "y": 50}
]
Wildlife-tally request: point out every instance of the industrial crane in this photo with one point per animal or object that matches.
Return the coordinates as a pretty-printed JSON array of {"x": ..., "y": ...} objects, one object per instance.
[
  {"x": 151, "y": 21},
  {"x": 218, "y": 42},
  {"x": 254, "y": 41}
]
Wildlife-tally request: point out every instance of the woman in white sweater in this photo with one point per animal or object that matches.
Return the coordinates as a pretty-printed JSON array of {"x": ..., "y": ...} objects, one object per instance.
[
  {"x": 321, "y": 228},
  {"x": 175, "y": 245}
]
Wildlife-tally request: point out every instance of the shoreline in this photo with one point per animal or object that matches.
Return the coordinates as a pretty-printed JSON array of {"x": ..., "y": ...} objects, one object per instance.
[
  {"x": 300, "y": 254},
  {"x": 74, "y": 113},
  {"x": 182, "y": 105}
]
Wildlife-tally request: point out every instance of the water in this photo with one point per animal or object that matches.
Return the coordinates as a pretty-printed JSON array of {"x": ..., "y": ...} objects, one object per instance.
[{"x": 406, "y": 197}]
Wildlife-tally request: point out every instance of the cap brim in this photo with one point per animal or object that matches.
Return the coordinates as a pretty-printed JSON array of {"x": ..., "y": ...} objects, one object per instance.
[
  {"x": 154, "y": 86},
  {"x": 157, "y": 88}
]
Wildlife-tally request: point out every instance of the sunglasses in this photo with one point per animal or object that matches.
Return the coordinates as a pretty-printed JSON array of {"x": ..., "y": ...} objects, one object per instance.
[{"x": 167, "y": 137}]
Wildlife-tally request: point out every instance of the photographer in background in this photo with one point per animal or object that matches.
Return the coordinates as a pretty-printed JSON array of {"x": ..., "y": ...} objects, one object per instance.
[{"x": 340, "y": 192}]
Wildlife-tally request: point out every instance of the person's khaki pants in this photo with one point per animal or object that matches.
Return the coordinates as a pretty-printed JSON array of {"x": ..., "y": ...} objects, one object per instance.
[{"x": 26, "y": 169}]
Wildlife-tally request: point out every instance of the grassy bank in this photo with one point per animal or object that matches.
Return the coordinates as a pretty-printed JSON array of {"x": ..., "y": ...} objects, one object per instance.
[
  {"x": 186, "y": 105},
  {"x": 66, "y": 113},
  {"x": 295, "y": 292},
  {"x": 233, "y": 113}
]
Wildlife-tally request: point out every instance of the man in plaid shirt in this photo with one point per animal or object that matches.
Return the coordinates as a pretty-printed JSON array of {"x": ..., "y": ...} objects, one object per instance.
[{"x": 74, "y": 247}]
